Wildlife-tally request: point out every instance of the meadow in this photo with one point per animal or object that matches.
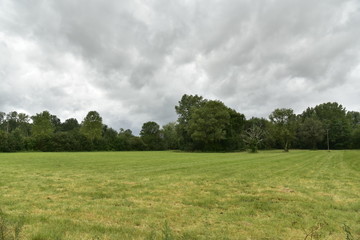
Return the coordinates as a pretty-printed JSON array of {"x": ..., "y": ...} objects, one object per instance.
[{"x": 177, "y": 195}]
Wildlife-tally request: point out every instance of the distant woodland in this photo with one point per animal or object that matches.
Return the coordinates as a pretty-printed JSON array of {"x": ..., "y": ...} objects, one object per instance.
[{"x": 202, "y": 125}]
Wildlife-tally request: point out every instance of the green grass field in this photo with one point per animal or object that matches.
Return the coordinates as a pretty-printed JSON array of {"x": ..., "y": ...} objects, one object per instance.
[{"x": 174, "y": 195}]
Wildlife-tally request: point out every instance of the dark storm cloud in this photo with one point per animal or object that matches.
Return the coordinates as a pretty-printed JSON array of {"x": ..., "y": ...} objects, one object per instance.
[{"x": 133, "y": 60}]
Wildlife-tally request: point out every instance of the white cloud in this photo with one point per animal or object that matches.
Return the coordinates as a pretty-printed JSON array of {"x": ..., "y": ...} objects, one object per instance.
[{"x": 133, "y": 60}]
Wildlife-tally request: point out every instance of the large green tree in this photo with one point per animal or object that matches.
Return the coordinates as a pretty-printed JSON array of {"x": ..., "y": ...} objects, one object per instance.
[
  {"x": 150, "y": 134},
  {"x": 70, "y": 124},
  {"x": 335, "y": 122},
  {"x": 92, "y": 126},
  {"x": 11, "y": 121},
  {"x": 355, "y": 138},
  {"x": 110, "y": 138},
  {"x": 123, "y": 141},
  {"x": 171, "y": 140},
  {"x": 56, "y": 122},
  {"x": 23, "y": 124},
  {"x": 284, "y": 126},
  {"x": 208, "y": 124},
  {"x": 311, "y": 132},
  {"x": 187, "y": 105},
  {"x": 42, "y": 130},
  {"x": 42, "y": 124},
  {"x": 234, "y": 131},
  {"x": 354, "y": 118}
]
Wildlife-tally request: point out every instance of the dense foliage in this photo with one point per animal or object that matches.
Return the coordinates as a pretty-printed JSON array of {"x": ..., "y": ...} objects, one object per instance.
[{"x": 202, "y": 125}]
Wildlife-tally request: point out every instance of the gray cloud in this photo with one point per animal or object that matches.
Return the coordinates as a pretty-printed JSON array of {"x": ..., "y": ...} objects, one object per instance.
[{"x": 133, "y": 60}]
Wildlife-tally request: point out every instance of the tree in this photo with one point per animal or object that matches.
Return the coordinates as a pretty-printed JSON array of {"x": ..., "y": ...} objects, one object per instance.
[
  {"x": 187, "y": 105},
  {"x": 354, "y": 118},
  {"x": 56, "y": 122},
  {"x": 123, "y": 140},
  {"x": 11, "y": 121},
  {"x": 284, "y": 123},
  {"x": 335, "y": 122},
  {"x": 42, "y": 130},
  {"x": 2, "y": 123},
  {"x": 62, "y": 141},
  {"x": 126, "y": 141},
  {"x": 150, "y": 134},
  {"x": 234, "y": 131},
  {"x": 42, "y": 124},
  {"x": 253, "y": 137},
  {"x": 136, "y": 143},
  {"x": 208, "y": 124},
  {"x": 267, "y": 127},
  {"x": 170, "y": 137},
  {"x": 24, "y": 125},
  {"x": 4, "y": 146},
  {"x": 110, "y": 137},
  {"x": 2, "y": 117},
  {"x": 70, "y": 124},
  {"x": 91, "y": 126},
  {"x": 311, "y": 132},
  {"x": 355, "y": 138},
  {"x": 16, "y": 141}
]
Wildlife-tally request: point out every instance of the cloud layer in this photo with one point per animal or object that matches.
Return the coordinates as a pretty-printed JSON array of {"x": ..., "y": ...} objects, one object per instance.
[{"x": 133, "y": 60}]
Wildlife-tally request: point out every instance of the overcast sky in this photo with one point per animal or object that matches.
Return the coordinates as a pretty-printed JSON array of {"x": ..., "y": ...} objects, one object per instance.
[{"x": 133, "y": 60}]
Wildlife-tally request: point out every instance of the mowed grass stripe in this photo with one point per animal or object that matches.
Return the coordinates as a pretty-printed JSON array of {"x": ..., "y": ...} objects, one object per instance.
[{"x": 130, "y": 195}]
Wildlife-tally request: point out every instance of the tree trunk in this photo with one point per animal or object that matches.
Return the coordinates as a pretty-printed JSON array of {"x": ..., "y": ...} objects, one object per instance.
[{"x": 286, "y": 149}]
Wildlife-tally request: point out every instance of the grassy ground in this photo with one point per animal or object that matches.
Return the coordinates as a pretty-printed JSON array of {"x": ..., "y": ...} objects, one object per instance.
[{"x": 173, "y": 195}]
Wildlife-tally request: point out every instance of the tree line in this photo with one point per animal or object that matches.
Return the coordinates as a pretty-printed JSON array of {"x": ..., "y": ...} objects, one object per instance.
[{"x": 202, "y": 125}]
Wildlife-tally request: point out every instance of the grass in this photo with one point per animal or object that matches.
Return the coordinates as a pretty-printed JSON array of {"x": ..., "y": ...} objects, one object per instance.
[{"x": 174, "y": 195}]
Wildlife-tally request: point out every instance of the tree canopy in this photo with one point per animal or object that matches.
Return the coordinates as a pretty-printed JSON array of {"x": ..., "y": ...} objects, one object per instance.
[
  {"x": 151, "y": 135},
  {"x": 207, "y": 125},
  {"x": 284, "y": 126},
  {"x": 91, "y": 126}
]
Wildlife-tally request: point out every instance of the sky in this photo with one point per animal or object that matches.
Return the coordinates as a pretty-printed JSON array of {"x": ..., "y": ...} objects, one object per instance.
[{"x": 132, "y": 60}]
